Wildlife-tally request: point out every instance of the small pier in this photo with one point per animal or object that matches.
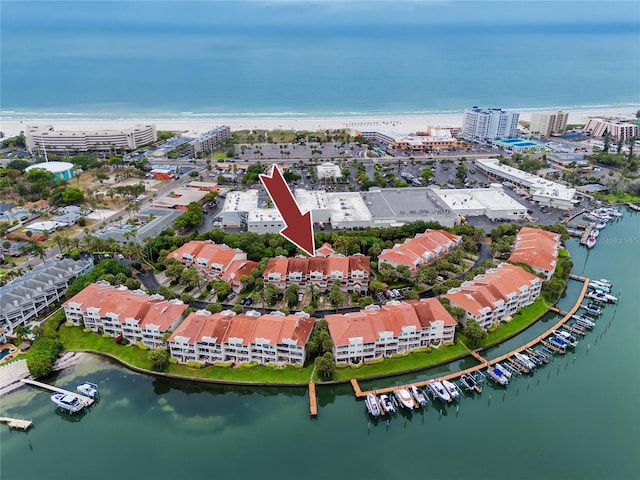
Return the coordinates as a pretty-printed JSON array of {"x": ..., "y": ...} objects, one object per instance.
[
  {"x": 87, "y": 401},
  {"x": 313, "y": 404},
  {"x": 477, "y": 356},
  {"x": 633, "y": 206},
  {"x": 17, "y": 423},
  {"x": 558, "y": 311},
  {"x": 585, "y": 235}
]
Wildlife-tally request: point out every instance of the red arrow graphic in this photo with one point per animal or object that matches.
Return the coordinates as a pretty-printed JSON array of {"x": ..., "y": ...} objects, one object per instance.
[{"x": 299, "y": 229}]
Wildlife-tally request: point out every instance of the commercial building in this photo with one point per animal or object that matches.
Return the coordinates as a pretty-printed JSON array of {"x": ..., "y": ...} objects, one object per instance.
[
  {"x": 420, "y": 250},
  {"x": 41, "y": 138},
  {"x": 392, "y": 207},
  {"x": 179, "y": 198},
  {"x": 348, "y": 210},
  {"x": 487, "y": 124},
  {"x": 119, "y": 312},
  {"x": 210, "y": 141},
  {"x": 214, "y": 261},
  {"x": 496, "y": 295},
  {"x": 547, "y": 124},
  {"x": 434, "y": 138},
  {"x": 60, "y": 170},
  {"x": 383, "y": 331},
  {"x": 329, "y": 171},
  {"x": 492, "y": 202},
  {"x": 315, "y": 201},
  {"x": 264, "y": 220},
  {"x": 272, "y": 338},
  {"x": 237, "y": 206},
  {"x": 352, "y": 273},
  {"x": 29, "y": 295},
  {"x": 537, "y": 248},
  {"x": 617, "y": 128},
  {"x": 543, "y": 192}
]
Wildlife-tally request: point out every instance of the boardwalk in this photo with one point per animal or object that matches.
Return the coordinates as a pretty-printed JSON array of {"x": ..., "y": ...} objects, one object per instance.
[
  {"x": 86, "y": 400},
  {"x": 313, "y": 405},
  {"x": 17, "y": 423},
  {"x": 486, "y": 363}
]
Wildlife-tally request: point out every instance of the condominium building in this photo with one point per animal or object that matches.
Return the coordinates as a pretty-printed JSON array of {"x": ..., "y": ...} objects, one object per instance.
[
  {"x": 496, "y": 295},
  {"x": 120, "y": 312},
  {"x": 383, "y": 331},
  {"x": 487, "y": 124},
  {"x": 537, "y": 248},
  {"x": 213, "y": 261},
  {"x": 26, "y": 297},
  {"x": 41, "y": 138},
  {"x": 352, "y": 273},
  {"x": 547, "y": 124},
  {"x": 211, "y": 140},
  {"x": 273, "y": 338},
  {"x": 617, "y": 128},
  {"x": 421, "y": 250}
]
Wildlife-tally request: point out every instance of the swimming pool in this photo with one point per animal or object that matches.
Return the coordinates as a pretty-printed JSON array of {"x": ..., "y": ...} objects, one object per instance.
[
  {"x": 519, "y": 142},
  {"x": 4, "y": 352}
]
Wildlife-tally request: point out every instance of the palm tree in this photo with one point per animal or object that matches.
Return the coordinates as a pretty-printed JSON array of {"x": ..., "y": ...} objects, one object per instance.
[{"x": 313, "y": 291}]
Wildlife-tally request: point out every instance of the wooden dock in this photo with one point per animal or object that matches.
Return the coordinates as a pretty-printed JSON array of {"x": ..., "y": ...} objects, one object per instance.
[
  {"x": 17, "y": 423},
  {"x": 585, "y": 235},
  {"x": 558, "y": 311},
  {"x": 540, "y": 339},
  {"x": 88, "y": 401},
  {"x": 313, "y": 404}
]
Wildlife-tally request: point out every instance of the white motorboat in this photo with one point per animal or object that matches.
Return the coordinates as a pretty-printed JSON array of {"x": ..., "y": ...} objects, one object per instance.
[
  {"x": 600, "y": 225},
  {"x": 611, "y": 298},
  {"x": 524, "y": 360},
  {"x": 604, "y": 281},
  {"x": 372, "y": 405},
  {"x": 452, "y": 389},
  {"x": 504, "y": 370},
  {"x": 592, "y": 309},
  {"x": 591, "y": 241},
  {"x": 438, "y": 391},
  {"x": 595, "y": 232},
  {"x": 584, "y": 321},
  {"x": 419, "y": 395},
  {"x": 404, "y": 398},
  {"x": 597, "y": 296},
  {"x": 558, "y": 343},
  {"x": 600, "y": 286},
  {"x": 88, "y": 389},
  {"x": 387, "y": 404},
  {"x": 497, "y": 376},
  {"x": 70, "y": 403},
  {"x": 567, "y": 337}
]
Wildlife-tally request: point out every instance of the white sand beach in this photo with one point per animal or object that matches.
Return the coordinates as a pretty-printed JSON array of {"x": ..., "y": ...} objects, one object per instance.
[{"x": 400, "y": 124}]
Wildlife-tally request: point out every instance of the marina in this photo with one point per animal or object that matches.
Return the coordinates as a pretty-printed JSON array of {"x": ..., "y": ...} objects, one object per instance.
[{"x": 70, "y": 401}]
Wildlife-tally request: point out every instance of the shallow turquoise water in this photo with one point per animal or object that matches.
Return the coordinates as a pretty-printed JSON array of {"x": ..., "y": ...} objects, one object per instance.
[{"x": 575, "y": 418}]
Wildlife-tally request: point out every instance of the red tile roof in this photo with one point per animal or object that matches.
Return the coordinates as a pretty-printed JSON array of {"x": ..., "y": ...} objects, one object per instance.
[
  {"x": 325, "y": 250},
  {"x": 213, "y": 253},
  {"x": 414, "y": 251},
  {"x": 429, "y": 310},
  {"x": 537, "y": 248},
  {"x": 277, "y": 265}
]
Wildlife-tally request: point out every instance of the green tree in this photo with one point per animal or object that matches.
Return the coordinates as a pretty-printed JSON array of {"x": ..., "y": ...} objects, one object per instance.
[
  {"x": 474, "y": 332},
  {"x": 291, "y": 294},
  {"x": 336, "y": 295},
  {"x": 326, "y": 365},
  {"x": 190, "y": 278},
  {"x": 159, "y": 359},
  {"x": 222, "y": 289}
]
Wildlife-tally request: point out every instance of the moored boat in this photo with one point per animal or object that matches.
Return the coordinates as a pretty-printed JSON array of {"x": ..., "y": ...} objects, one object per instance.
[
  {"x": 497, "y": 376},
  {"x": 591, "y": 241},
  {"x": 597, "y": 296},
  {"x": 592, "y": 309},
  {"x": 438, "y": 391},
  {"x": 404, "y": 398},
  {"x": 418, "y": 395},
  {"x": 567, "y": 337},
  {"x": 469, "y": 382},
  {"x": 452, "y": 389},
  {"x": 88, "y": 389},
  {"x": 387, "y": 404},
  {"x": 371, "y": 403},
  {"x": 558, "y": 343},
  {"x": 524, "y": 360},
  {"x": 67, "y": 402},
  {"x": 504, "y": 370},
  {"x": 583, "y": 321}
]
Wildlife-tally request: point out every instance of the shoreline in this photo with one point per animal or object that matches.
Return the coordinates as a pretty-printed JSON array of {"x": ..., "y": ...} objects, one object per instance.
[{"x": 401, "y": 123}]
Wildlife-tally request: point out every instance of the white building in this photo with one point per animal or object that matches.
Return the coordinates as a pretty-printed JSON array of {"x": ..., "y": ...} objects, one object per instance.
[
  {"x": 315, "y": 201},
  {"x": 264, "y": 220},
  {"x": 329, "y": 171},
  {"x": 43, "y": 137},
  {"x": 546, "y": 124},
  {"x": 544, "y": 192},
  {"x": 348, "y": 210},
  {"x": 617, "y": 128},
  {"x": 492, "y": 202},
  {"x": 211, "y": 140},
  {"x": 237, "y": 206},
  {"x": 487, "y": 124}
]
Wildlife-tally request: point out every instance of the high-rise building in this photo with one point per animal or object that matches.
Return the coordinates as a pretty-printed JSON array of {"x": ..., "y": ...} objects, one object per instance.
[
  {"x": 618, "y": 129},
  {"x": 546, "y": 124},
  {"x": 483, "y": 124}
]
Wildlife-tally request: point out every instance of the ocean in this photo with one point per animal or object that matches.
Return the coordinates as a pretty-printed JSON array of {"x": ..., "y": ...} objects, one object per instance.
[{"x": 189, "y": 60}]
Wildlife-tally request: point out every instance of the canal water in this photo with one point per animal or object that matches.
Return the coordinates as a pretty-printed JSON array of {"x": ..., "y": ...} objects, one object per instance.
[{"x": 576, "y": 417}]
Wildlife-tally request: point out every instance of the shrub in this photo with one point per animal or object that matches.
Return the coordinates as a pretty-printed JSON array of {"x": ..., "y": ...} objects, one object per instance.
[
  {"x": 449, "y": 344},
  {"x": 249, "y": 365},
  {"x": 423, "y": 350},
  {"x": 297, "y": 366},
  {"x": 355, "y": 366},
  {"x": 42, "y": 355},
  {"x": 194, "y": 364},
  {"x": 173, "y": 361},
  {"x": 86, "y": 330},
  {"x": 68, "y": 324},
  {"x": 141, "y": 346},
  {"x": 375, "y": 361},
  {"x": 492, "y": 328},
  {"x": 106, "y": 335},
  {"x": 341, "y": 366},
  {"x": 223, "y": 364},
  {"x": 400, "y": 355}
]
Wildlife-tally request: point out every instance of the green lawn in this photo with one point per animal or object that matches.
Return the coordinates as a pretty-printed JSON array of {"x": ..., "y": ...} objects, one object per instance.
[
  {"x": 400, "y": 365},
  {"x": 219, "y": 155},
  {"x": 73, "y": 338},
  {"x": 519, "y": 322}
]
